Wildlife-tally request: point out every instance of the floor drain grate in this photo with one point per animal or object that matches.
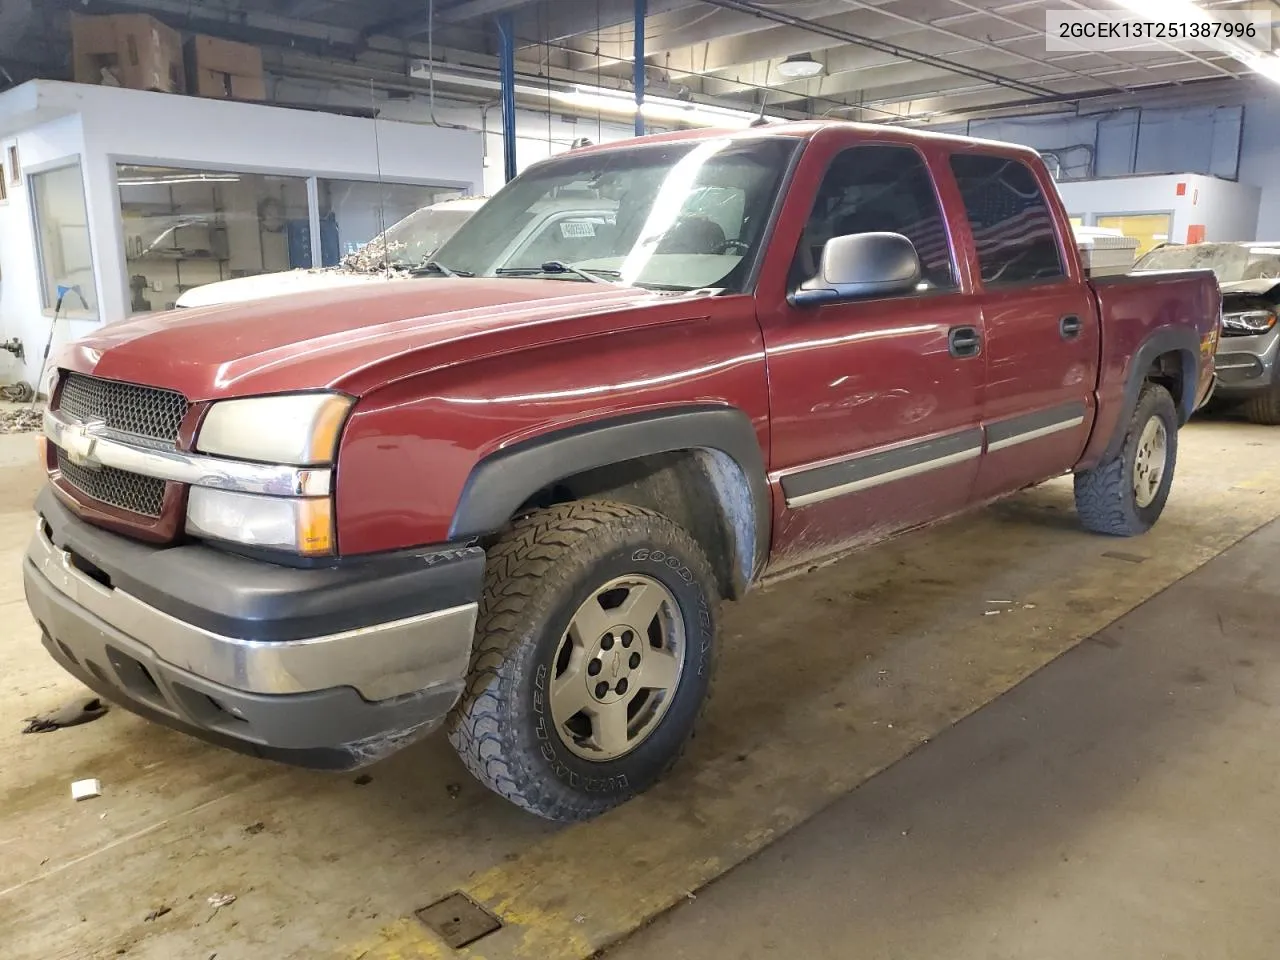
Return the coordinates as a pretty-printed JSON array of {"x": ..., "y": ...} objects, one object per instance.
[{"x": 458, "y": 920}]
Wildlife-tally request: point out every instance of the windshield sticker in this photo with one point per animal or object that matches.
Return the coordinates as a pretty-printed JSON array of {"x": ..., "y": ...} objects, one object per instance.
[{"x": 577, "y": 228}]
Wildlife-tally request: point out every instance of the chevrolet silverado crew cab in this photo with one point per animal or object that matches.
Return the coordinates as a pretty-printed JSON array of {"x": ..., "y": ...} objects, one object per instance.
[{"x": 507, "y": 497}]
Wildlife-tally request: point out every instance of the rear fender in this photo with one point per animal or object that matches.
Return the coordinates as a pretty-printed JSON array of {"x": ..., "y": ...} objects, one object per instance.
[{"x": 1184, "y": 342}]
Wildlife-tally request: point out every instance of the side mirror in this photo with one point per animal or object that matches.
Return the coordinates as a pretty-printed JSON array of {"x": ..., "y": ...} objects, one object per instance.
[{"x": 860, "y": 266}]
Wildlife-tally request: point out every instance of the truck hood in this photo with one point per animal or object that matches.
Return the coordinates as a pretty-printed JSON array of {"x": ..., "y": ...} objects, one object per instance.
[
  {"x": 357, "y": 338},
  {"x": 272, "y": 285},
  {"x": 1257, "y": 288}
]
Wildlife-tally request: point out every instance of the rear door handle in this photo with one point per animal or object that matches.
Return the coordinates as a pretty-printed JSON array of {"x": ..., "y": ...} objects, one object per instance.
[
  {"x": 964, "y": 342},
  {"x": 1070, "y": 327}
]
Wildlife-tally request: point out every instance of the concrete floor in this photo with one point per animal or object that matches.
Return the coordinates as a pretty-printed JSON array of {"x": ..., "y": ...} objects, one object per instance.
[
  {"x": 825, "y": 681},
  {"x": 1119, "y": 803}
]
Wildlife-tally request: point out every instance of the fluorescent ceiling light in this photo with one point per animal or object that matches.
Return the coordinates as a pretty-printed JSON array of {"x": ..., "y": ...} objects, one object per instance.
[
  {"x": 165, "y": 181},
  {"x": 801, "y": 66},
  {"x": 604, "y": 100},
  {"x": 1260, "y": 62},
  {"x": 653, "y": 108}
]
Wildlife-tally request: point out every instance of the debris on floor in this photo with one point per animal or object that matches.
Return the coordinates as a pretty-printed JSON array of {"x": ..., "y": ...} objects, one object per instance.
[
  {"x": 157, "y": 913},
  {"x": 453, "y": 789},
  {"x": 21, "y": 420},
  {"x": 254, "y": 829},
  {"x": 86, "y": 789},
  {"x": 220, "y": 900},
  {"x": 80, "y": 710}
]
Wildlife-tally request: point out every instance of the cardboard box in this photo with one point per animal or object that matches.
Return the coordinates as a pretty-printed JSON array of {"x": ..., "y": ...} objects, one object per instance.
[
  {"x": 127, "y": 50},
  {"x": 223, "y": 68}
]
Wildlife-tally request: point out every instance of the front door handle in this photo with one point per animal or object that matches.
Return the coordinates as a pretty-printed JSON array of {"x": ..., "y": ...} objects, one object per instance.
[
  {"x": 964, "y": 342},
  {"x": 1070, "y": 327}
]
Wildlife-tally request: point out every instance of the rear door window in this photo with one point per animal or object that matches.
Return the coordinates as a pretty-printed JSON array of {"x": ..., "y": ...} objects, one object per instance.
[{"x": 1012, "y": 226}]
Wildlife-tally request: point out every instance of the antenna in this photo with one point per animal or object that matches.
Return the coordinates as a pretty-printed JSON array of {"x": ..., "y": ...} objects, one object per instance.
[
  {"x": 382, "y": 190},
  {"x": 760, "y": 121}
]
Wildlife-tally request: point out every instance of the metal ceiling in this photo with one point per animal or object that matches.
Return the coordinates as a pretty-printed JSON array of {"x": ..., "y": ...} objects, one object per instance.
[{"x": 910, "y": 60}]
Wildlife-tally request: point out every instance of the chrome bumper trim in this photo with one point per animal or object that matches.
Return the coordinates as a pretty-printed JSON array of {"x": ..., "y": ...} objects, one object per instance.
[
  {"x": 380, "y": 661},
  {"x": 84, "y": 446}
]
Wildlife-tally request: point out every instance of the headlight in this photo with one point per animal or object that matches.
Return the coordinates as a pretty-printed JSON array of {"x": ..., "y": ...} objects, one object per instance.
[
  {"x": 301, "y": 526},
  {"x": 293, "y": 428},
  {"x": 1249, "y": 321}
]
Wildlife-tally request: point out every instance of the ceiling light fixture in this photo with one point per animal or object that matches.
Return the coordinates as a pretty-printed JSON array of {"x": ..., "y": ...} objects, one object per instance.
[
  {"x": 605, "y": 100},
  {"x": 800, "y": 66},
  {"x": 661, "y": 109},
  {"x": 1263, "y": 63}
]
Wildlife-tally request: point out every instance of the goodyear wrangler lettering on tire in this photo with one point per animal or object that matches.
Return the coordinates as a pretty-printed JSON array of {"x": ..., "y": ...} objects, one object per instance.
[
  {"x": 658, "y": 556},
  {"x": 594, "y": 654}
]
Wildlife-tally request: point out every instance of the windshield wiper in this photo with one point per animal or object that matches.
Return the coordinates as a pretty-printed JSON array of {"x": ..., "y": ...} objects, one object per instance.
[
  {"x": 435, "y": 266},
  {"x": 552, "y": 267}
]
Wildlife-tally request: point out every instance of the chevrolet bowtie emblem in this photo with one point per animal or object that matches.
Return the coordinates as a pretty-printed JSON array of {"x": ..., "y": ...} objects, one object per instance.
[{"x": 79, "y": 441}]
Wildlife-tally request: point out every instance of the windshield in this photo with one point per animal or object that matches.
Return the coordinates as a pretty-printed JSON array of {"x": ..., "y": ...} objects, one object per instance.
[
  {"x": 408, "y": 242},
  {"x": 673, "y": 216},
  {"x": 1230, "y": 262}
]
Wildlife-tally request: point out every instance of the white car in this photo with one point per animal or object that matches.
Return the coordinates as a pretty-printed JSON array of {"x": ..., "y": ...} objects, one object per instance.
[{"x": 404, "y": 244}]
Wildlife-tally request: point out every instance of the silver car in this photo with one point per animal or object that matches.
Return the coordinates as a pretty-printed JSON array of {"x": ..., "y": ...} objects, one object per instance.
[{"x": 1249, "y": 274}]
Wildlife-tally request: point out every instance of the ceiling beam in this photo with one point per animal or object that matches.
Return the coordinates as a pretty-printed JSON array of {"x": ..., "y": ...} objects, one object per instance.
[
  {"x": 687, "y": 28},
  {"x": 472, "y": 9}
]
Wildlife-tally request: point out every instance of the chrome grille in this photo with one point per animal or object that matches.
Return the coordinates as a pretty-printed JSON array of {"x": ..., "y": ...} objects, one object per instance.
[
  {"x": 118, "y": 488},
  {"x": 142, "y": 414}
]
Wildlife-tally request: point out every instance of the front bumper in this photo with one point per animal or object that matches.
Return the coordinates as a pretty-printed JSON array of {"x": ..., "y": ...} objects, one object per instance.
[
  {"x": 1246, "y": 365},
  {"x": 332, "y": 668}
]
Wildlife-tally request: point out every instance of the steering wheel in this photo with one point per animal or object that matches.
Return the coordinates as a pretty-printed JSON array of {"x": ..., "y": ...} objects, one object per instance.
[{"x": 729, "y": 246}]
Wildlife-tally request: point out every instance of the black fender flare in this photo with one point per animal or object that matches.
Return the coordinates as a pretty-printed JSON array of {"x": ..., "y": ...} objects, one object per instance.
[
  {"x": 499, "y": 484},
  {"x": 1183, "y": 341}
]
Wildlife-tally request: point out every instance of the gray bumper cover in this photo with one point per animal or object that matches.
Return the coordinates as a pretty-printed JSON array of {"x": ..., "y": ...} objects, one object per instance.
[{"x": 334, "y": 700}]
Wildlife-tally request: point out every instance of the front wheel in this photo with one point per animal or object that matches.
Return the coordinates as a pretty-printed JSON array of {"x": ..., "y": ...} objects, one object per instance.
[
  {"x": 1265, "y": 407},
  {"x": 1124, "y": 496},
  {"x": 593, "y": 658}
]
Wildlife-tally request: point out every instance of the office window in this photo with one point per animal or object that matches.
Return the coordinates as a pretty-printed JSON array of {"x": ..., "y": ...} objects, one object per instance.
[
  {"x": 353, "y": 212},
  {"x": 1012, "y": 227},
  {"x": 184, "y": 228},
  {"x": 879, "y": 188},
  {"x": 1149, "y": 229},
  {"x": 62, "y": 236}
]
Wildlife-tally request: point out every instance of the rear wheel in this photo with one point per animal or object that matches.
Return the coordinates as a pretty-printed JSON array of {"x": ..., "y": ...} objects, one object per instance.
[
  {"x": 1125, "y": 495},
  {"x": 1264, "y": 408},
  {"x": 593, "y": 658}
]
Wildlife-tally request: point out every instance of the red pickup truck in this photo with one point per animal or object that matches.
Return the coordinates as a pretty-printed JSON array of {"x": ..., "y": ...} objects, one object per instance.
[{"x": 508, "y": 497}]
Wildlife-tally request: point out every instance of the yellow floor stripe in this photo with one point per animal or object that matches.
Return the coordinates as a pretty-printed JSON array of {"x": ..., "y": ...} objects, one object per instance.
[{"x": 590, "y": 885}]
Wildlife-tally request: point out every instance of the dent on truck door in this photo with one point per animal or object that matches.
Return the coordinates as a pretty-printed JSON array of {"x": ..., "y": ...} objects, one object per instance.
[
  {"x": 1041, "y": 327},
  {"x": 875, "y": 404}
]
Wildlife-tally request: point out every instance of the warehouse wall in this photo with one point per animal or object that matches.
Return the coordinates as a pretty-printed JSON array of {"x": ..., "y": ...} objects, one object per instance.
[
  {"x": 1260, "y": 161},
  {"x": 1227, "y": 210},
  {"x": 22, "y": 311}
]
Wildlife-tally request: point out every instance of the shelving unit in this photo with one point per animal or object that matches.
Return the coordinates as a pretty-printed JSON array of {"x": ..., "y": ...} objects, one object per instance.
[{"x": 171, "y": 222}]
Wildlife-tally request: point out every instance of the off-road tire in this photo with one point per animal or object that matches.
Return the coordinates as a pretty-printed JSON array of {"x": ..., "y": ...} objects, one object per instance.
[
  {"x": 1264, "y": 408},
  {"x": 536, "y": 577},
  {"x": 1105, "y": 498}
]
